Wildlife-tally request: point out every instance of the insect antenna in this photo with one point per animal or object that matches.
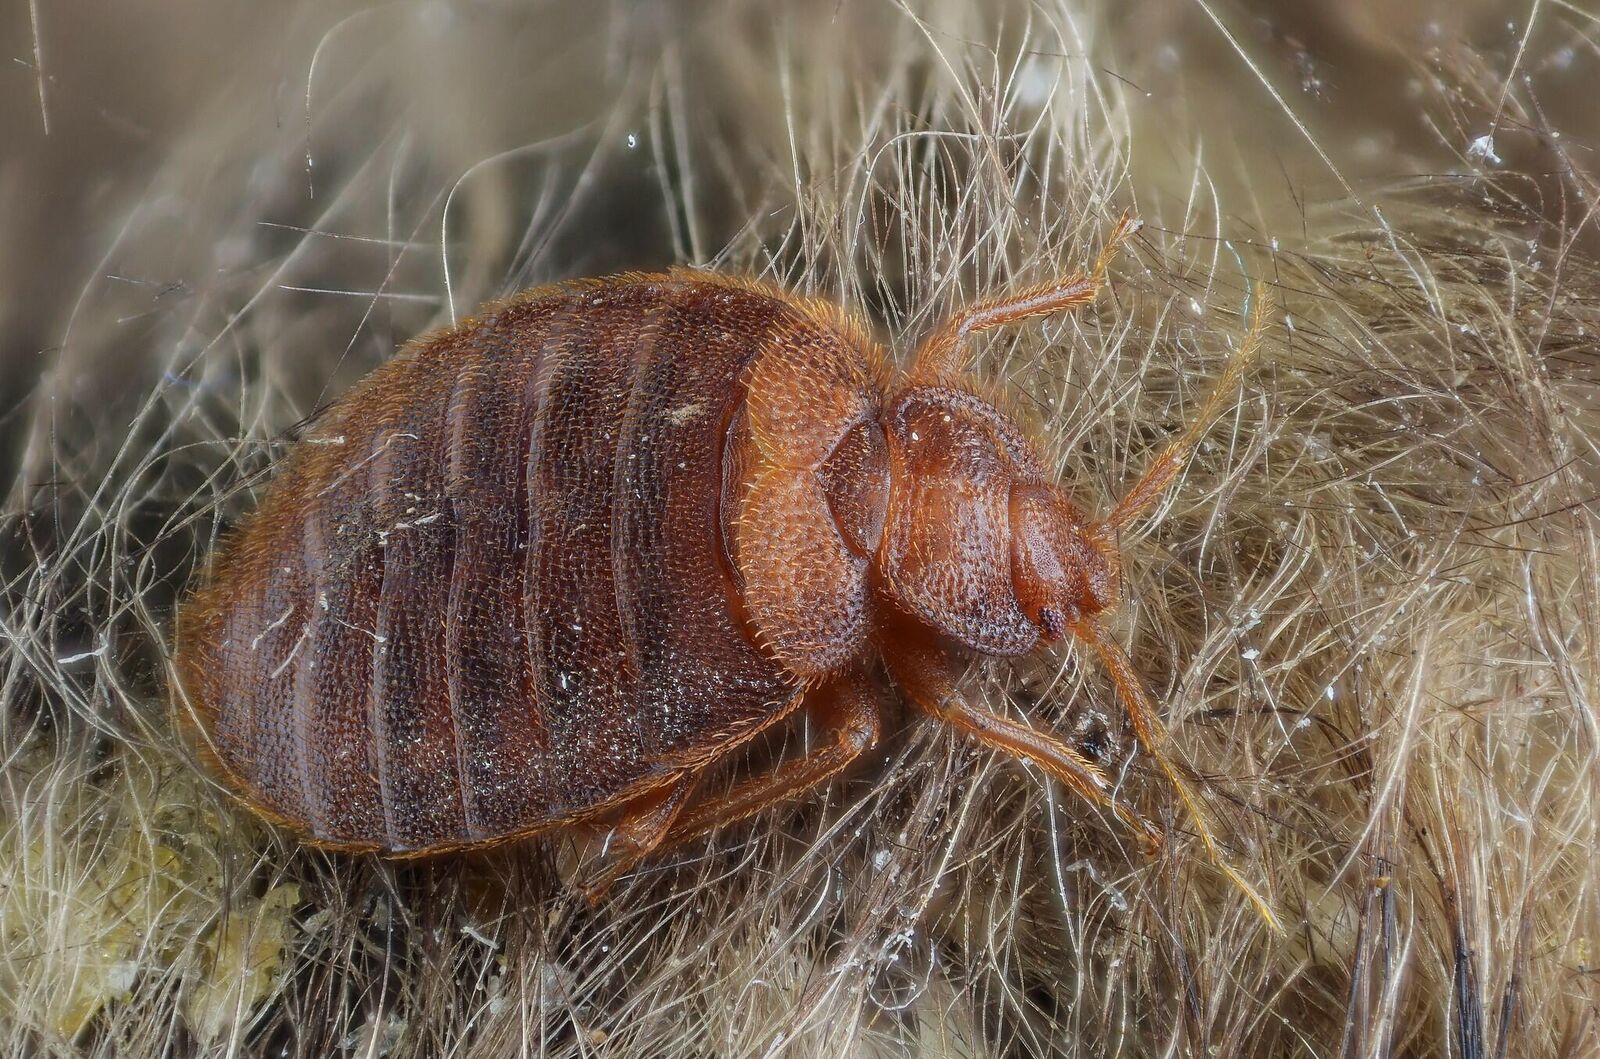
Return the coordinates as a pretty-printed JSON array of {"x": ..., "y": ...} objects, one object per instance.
[
  {"x": 1148, "y": 489},
  {"x": 1138, "y": 500},
  {"x": 1152, "y": 734}
]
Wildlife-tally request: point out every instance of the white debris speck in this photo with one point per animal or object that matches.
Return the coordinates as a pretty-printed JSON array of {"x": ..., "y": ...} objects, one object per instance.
[
  {"x": 686, "y": 412},
  {"x": 121, "y": 976},
  {"x": 1482, "y": 150},
  {"x": 67, "y": 660},
  {"x": 1250, "y": 654},
  {"x": 1036, "y": 82},
  {"x": 272, "y": 627}
]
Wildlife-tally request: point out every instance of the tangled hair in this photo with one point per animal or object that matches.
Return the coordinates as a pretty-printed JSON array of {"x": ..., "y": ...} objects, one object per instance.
[{"x": 1368, "y": 608}]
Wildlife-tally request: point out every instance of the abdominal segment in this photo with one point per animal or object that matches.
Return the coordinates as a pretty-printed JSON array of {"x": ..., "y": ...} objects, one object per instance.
[{"x": 490, "y": 592}]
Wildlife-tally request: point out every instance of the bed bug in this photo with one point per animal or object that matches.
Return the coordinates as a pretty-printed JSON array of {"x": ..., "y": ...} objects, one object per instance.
[{"x": 549, "y": 565}]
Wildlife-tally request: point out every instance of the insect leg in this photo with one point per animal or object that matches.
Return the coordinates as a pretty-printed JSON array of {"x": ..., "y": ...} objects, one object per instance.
[
  {"x": 848, "y": 706},
  {"x": 925, "y": 676},
  {"x": 645, "y": 823},
  {"x": 943, "y": 352},
  {"x": 1148, "y": 489}
]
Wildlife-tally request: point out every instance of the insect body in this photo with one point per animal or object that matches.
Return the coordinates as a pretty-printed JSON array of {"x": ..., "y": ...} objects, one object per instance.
[{"x": 554, "y": 562}]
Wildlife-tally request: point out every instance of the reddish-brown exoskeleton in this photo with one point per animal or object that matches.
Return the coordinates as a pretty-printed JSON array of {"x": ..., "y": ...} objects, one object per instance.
[{"x": 549, "y": 565}]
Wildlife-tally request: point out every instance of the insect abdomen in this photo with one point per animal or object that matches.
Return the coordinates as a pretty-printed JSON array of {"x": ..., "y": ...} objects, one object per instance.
[{"x": 490, "y": 592}]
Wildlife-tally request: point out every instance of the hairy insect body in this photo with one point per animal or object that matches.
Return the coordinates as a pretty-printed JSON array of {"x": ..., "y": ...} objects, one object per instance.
[
  {"x": 563, "y": 551},
  {"x": 567, "y": 554}
]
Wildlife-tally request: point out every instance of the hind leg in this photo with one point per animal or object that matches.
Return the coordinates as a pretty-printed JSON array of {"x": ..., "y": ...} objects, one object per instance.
[
  {"x": 645, "y": 822},
  {"x": 846, "y": 706}
]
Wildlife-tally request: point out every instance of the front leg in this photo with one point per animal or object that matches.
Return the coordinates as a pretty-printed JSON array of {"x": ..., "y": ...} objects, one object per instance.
[
  {"x": 943, "y": 354},
  {"x": 926, "y": 675}
]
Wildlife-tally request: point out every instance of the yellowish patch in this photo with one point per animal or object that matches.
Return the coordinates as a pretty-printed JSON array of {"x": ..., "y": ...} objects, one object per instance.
[{"x": 243, "y": 954}]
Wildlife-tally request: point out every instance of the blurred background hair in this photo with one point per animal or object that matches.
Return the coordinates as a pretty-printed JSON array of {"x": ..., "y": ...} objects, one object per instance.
[{"x": 1368, "y": 609}]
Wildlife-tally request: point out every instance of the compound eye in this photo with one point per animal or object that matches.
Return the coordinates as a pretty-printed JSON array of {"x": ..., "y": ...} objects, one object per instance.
[{"x": 1053, "y": 623}]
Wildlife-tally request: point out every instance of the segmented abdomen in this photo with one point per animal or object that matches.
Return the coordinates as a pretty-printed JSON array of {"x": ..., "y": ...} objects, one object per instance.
[{"x": 490, "y": 592}]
